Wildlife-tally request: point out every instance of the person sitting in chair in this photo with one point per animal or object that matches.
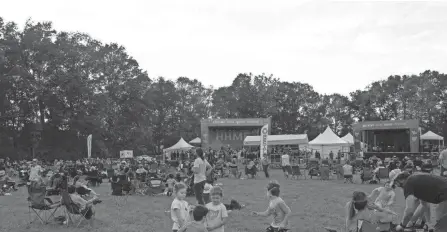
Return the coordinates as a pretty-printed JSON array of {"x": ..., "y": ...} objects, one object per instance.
[
  {"x": 85, "y": 207},
  {"x": 81, "y": 185},
  {"x": 5, "y": 179}
]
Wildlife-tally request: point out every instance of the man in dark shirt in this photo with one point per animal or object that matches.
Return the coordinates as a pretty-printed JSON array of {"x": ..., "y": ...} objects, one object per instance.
[{"x": 419, "y": 190}]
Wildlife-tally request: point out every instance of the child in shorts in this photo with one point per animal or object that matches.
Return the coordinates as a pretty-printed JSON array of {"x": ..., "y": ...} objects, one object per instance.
[{"x": 277, "y": 208}]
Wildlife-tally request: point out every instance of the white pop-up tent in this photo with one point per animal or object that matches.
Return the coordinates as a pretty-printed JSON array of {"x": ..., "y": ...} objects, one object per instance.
[
  {"x": 431, "y": 136},
  {"x": 196, "y": 141},
  {"x": 180, "y": 145},
  {"x": 277, "y": 140},
  {"x": 348, "y": 138},
  {"x": 328, "y": 141}
]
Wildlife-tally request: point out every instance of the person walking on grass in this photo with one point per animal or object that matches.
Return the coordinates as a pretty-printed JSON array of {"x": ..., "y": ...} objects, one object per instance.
[
  {"x": 265, "y": 166},
  {"x": 285, "y": 163},
  {"x": 200, "y": 168},
  {"x": 277, "y": 208}
]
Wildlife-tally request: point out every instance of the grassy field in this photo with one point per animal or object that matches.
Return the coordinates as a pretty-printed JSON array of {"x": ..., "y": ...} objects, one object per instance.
[{"x": 314, "y": 203}]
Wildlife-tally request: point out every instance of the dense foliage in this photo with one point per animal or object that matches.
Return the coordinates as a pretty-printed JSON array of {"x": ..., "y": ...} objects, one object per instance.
[{"x": 70, "y": 85}]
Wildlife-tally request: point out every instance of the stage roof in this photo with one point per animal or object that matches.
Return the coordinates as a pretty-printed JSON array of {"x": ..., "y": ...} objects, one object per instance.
[{"x": 277, "y": 140}]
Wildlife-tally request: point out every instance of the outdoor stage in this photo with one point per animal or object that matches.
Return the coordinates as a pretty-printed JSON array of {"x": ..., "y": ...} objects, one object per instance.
[
  {"x": 387, "y": 138},
  {"x": 217, "y": 133}
]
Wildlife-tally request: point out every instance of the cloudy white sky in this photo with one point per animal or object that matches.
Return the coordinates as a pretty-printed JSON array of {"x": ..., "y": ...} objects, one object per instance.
[{"x": 336, "y": 46}]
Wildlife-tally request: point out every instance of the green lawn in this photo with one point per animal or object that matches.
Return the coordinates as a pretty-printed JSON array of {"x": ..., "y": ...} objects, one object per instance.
[{"x": 314, "y": 204}]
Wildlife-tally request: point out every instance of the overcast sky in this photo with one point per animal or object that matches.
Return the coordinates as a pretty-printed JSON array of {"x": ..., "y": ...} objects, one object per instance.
[{"x": 336, "y": 46}]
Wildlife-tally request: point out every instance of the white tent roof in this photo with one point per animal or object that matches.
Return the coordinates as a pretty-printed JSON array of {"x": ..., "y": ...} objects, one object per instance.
[
  {"x": 180, "y": 145},
  {"x": 196, "y": 140},
  {"x": 431, "y": 136},
  {"x": 348, "y": 138},
  {"x": 328, "y": 138},
  {"x": 277, "y": 140}
]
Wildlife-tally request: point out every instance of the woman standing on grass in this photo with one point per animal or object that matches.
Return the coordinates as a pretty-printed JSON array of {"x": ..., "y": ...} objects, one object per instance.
[{"x": 200, "y": 172}]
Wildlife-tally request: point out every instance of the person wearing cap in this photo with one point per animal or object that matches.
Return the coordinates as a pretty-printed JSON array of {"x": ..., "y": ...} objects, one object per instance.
[
  {"x": 443, "y": 162},
  {"x": 419, "y": 190}
]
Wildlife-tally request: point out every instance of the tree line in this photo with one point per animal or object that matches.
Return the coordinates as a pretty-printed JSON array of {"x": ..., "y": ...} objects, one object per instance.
[{"x": 58, "y": 87}]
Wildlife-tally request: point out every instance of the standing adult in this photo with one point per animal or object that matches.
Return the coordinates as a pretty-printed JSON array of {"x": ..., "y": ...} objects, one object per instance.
[
  {"x": 200, "y": 170},
  {"x": 419, "y": 190},
  {"x": 443, "y": 161},
  {"x": 285, "y": 163},
  {"x": 265, "y": 166},
  {"x": 35, "y": 171}
]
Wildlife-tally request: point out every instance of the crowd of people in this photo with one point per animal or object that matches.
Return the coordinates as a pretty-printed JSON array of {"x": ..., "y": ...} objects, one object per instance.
[{"x": 210, "y": 214}]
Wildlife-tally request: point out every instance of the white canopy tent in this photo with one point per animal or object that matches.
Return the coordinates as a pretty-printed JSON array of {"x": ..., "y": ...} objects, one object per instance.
[
  {"x": 328, "y": 141},
  {"x": 277, "y": 140},
  {"x": 431, "y": 136},
  {"x": 196, "y": 141},
  {"x": 348, "y": 138},
  {"x": 180, "y": 145}
]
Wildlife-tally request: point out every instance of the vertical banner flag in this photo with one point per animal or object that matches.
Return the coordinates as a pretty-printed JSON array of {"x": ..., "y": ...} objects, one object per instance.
[
  {"x": 264, "y": 134},
  {"x": 89, "y": 146}
]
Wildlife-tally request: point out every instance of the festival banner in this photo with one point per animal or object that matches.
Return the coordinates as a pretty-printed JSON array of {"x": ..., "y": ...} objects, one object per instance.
[
  {"x": 89, "y": 146},
  {"x": 264, "y": 135}
]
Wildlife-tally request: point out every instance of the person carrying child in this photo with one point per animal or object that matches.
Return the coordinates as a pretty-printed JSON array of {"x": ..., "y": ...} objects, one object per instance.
[
  {"x": 277, "y": 208},
  {"x": 179, "y": 207},
  {"x": 198, "y": 224},
  {"x": 217, "y": 212}
]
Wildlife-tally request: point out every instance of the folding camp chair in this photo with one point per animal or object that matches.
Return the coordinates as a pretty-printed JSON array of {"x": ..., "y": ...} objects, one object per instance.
[
  {"x": 367, "y": 174},
  {"x": 42, "y": 206},
  {"x": 74, "y": 214},
  {"x": 155, "y": 187},
  {"x": 120, "y": 192},
  {"x": 383, "y": 173}
]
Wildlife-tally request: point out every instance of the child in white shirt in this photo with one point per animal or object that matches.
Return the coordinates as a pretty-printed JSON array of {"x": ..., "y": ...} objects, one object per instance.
[
  {"x": 206, "y": 191},
  {"x": 179, "y": 207},
  {"x": 217, "y": 212}
]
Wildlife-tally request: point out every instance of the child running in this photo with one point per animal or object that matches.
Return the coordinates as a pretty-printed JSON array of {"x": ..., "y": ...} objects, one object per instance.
[
  {"x": 277, "y": 208},
  {"x": 217, "y": 215},
  {"x": 198, "y": 225},
  {"x": 179, "y": 207}
]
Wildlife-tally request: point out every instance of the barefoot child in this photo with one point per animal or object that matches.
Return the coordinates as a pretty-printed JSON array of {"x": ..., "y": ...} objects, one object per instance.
[
  {"x": 179, "y": 207},
  {"x": 217, "y": 212},
  {"x": 277, "y": 208}
]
